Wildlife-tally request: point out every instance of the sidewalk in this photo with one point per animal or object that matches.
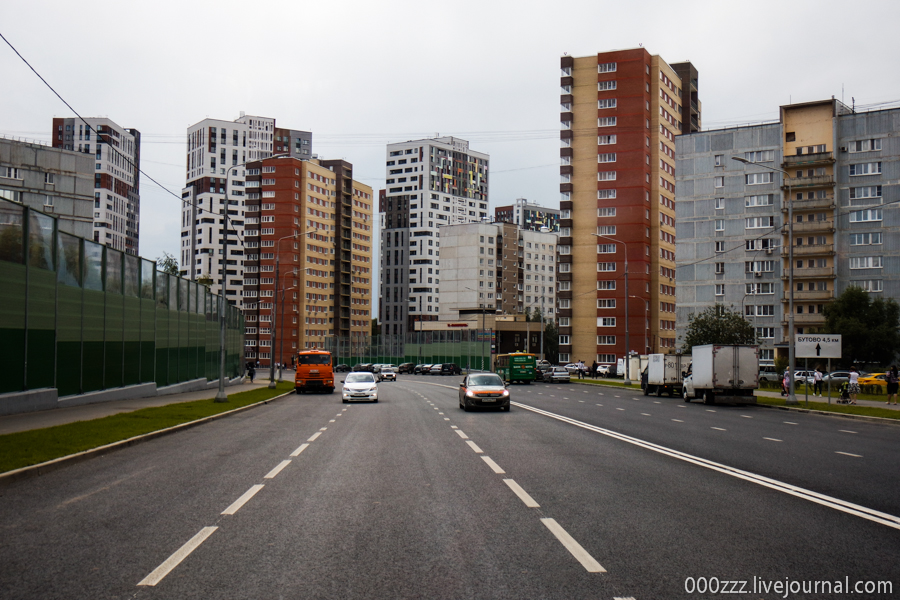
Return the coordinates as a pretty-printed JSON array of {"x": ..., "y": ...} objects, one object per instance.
[
  {"x": 87, "y": 412},
  {"x": 801, "y": 398}
]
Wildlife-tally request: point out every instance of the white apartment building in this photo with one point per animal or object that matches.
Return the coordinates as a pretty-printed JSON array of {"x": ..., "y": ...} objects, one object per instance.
[
  {"x": 217, "y": 152},
  {"x": 116, "y": 152},
  {"x": 429, "y": 184}
]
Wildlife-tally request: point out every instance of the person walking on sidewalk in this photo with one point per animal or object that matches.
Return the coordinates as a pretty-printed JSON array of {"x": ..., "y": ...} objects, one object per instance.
[
  {"x": 251, "y": 371},
  {"x": 893, "y": 382},
  {"x": 817, "y": 378},
  {"x": 854, "y": 384}
]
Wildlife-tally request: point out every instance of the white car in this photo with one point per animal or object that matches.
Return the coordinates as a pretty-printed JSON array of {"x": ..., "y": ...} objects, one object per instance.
[
  {"x": 359, "y": 386},
  {"x": 388, "y": 374},
  {"x": 603, "y": 370}
]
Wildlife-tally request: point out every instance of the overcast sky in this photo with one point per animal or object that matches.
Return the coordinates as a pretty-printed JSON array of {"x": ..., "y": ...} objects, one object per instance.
[{"x": 360, "y": 74}]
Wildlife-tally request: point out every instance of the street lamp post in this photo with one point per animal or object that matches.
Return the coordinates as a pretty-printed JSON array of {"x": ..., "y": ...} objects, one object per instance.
[
  {"x": 281, "y": 347},
  {"x": 482, "y": 328},
  {"x": 221, "y": 396},
  {"x": 792, "y": 398},
  {"x": 275, "y": 302},
  {"x": 627, "y": 353}
]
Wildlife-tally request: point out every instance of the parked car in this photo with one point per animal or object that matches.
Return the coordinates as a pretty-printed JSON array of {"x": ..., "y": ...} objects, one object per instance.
[
  {"x": 435, "y": 369},
  {"x": 359, "y": 385},
  {"x": 838, "y": 378},
  {"x": 450, "y": 369},
  {"x": 363, "y": 367},
  {"x": 808, "y": 376},
  {"x": 422, "y": 369},
  {"x": 604, "y": 370},
  {"x": 540, "y": 369},
  {"x": 768, "y": 373},
  {"x": 557, "y": 375},
  {"x": 341, "y": 368},
  {"x": 483, "y": 389},
  {"x": 879, "y": 379},
  {"x": 406, "y": 368},
  {"x": 387, "y": 374}
]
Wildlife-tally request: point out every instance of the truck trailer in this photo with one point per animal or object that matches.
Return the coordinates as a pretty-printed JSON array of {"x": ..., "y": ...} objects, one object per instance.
[
  {"x": 665, "y": 374},
  {"x": 720, "y": 373}
]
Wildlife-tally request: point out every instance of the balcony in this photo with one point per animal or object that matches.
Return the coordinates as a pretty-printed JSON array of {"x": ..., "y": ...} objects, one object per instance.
[
  {"x": 805, "y": 319},
  {"x": 815, "y": 273},
  {"x": 811, "y": 204},
  {"x": 814, "y": 227},
  {"x": 808, "y": 159},
  {"x": 810, "y": 296},
  {"x": 816, "y": 250},
  {"x": 805, "y": 182}
]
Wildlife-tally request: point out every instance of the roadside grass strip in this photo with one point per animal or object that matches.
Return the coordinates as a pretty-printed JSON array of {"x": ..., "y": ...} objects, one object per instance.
[
  {"x": 850, "y": 508},
  {"x": 26, "y": 448},
  {"x": 842, "y": 409}
]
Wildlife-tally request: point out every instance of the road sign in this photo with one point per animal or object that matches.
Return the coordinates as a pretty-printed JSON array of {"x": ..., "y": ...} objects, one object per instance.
[{"x": 817, "y": 346}]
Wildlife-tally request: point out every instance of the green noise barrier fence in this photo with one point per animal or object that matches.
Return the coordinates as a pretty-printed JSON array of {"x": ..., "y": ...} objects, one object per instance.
[{"x": 81, "y": 317}]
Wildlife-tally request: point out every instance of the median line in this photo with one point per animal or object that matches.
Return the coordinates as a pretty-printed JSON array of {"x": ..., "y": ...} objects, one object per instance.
[
  {"x": 271, "y": 474},
  {"x": 173, "y": 561},
  {"x": 313, "y": 437},
  {"x": 237, "y": 504},
  {"x": 300, "y": 449},
  {"x": 581, "y": 555},
  {"x": 461, "y": 434},
  {"x": 496, "y": 468},
  {"x": 522, "y": 494},
  {"x": 474, "y": 446}
]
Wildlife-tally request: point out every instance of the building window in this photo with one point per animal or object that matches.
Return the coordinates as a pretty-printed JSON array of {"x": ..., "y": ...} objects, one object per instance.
[
  {"x": 765, "y": 333},
  {"x": 606, "y": 103},
  {"x": 606, "y": 321},
  {"x": 759, "y": 222},
  {"x": 720, "y": 246},
  {"x": 720, "y": 182},
  {"x": 865, "y": 239},
  {"x": 870, "y": 191},
  {"x": 606, "y": 140},
  {"x": 720, "y": 289},
  {"x": 606, "y": 67},
  {"x": 762, "y": 200},
  {"x": 759, "y": 178},
  {"x": 871, "y": 214},
  {"x": 720, "y": 224},
  {"x": 606, "y": 285},
  {"x": 866, "y": 169},
  {"x": 606, "y": 340},
  {"x": 865, "y": 145},
  {"x": 720, "y": 268},
  {"x": 603, "y": 86},
  {"x": 601, "y": 212},
  {"x": 866, "y": 262},
  {"x": 760, "y": 156},
  {"x": 606, "y": 158},
  {"x": 606, "y": 122},
  {"x": 606, "y": 266},
  {"x": 720, "y": 203}
]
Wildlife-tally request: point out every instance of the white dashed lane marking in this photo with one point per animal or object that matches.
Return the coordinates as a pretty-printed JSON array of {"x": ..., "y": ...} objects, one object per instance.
[
  {"x": 173, "y": 561},
  {"x": 271, "y": 474},
  {"x": 313, "y": 437},
  {"x": 522, "y": 494},
  {"x": 772, "y": 439},
  {"x": 678, "y": 420},
  {"x": 845, "y": 431},
  {"x": 496, "y": 468},
  {"x": 474, "y": 447},
  {"x": 580, "y": 554},
  {"x": 848, "y": 454},
  {"x": 300, "y": 449},
  {"x": 718, "y": 429},
  {"x": 461, "y": 434},
  {"x": 237, "y": 504}
]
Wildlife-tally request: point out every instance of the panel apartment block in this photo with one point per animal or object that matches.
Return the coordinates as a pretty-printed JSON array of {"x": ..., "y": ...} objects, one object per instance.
[
  {"x": 835, "y": 166},
  {"x": 429, "y": 183},
  {"x": 116, "y": 168},
  {"x": 308, "y": 262},
  {"x": 528, "y": 215},
  {"x": 620, "y": 114},
  {"x": 50, "y": 180}
]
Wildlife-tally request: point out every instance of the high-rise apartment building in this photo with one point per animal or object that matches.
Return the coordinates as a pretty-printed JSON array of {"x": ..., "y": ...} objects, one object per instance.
[
  {"x": 621, "y": 113},
  {"x": 117, "y": 177},
  {"x": 217, "y": 154},
  {"x": 528, "y": 215},
  {"x": 497, "y": 266},
  {"x": 430, "y": 183},
  {"x": 307, "y": 268},
  {"x": 734, "y": 231}
]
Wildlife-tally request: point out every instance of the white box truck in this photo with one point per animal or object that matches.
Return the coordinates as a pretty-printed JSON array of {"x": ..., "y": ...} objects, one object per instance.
[
  {"x": 664, "y": 374},
  {"x": 720, "y": 373}
]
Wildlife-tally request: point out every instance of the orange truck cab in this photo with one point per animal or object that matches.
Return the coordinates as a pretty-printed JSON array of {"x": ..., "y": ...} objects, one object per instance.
[{"x": 314, "y": 372}]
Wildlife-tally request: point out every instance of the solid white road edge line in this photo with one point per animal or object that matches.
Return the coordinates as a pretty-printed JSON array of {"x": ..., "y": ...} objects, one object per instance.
[
  {"x": 271, "y": 474},
  {"x": 809, "y": 495},
  {"x": 522, "y": 494},
  {"x": 493, "y": 465},
  {"x": 314, "y": 436},
  {"x": 848, "y": 454},
  {"x": 242, "y": 500},
  {"x": 461, "y": 434},
  {"x": 173, "y": 561},
  {"x": 300, "y": 449},
  {"x": 581, "y": 555},
  {"x": 474, "y": 446}
]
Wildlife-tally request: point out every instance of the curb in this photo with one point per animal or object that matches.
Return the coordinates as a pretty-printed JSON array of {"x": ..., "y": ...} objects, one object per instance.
[
  {"x": 882, "y": 420},
  {"x": 63, "y": 461}
]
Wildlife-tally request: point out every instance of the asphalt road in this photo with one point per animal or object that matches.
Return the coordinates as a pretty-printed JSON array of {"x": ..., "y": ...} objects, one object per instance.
[{"x": 577, "y": 492}]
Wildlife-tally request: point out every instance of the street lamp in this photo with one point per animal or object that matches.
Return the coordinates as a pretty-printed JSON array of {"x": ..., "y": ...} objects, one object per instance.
[
  {"x": 792, "y": 398},
  {"x": 275, "y": 301},
  {"x": 627, "y": 353},
  {"x": 281, "y": 348},
  {"x": 221, "y": 396},
  {"x": 482, "y": 327}
]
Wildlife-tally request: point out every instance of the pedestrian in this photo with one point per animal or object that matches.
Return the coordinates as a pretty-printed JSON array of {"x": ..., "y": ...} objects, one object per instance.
[
  {"x": 893, "y": 382},
  {"x": 251, "y": 371},
  {"x": 786, "y": 383},
  {"x": 580, "y": 367},
  {"x": 854, "y": 384},
  {"x": 817, "y": 385},
  {"x": 594, "y": 370}
]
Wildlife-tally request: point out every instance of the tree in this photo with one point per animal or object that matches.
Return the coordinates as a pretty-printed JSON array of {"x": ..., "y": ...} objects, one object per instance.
[
  {"x": 551, "y": 341},
  {"x": 718, "y": 325},
  {"x": 868, "y": 328},
  {"x": 167, "y": 264}
]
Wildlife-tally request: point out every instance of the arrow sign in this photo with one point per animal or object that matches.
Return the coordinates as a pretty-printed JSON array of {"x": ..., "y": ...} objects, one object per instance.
[{"x": 817, "y": 346}]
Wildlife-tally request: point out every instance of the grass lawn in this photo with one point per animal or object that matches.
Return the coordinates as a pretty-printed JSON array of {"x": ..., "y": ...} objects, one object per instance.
[{"x": 26, "y": 448}]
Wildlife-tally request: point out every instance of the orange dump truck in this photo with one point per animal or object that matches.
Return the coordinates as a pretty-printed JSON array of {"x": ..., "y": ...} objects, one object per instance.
[{"x": 314, "y": 372}]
